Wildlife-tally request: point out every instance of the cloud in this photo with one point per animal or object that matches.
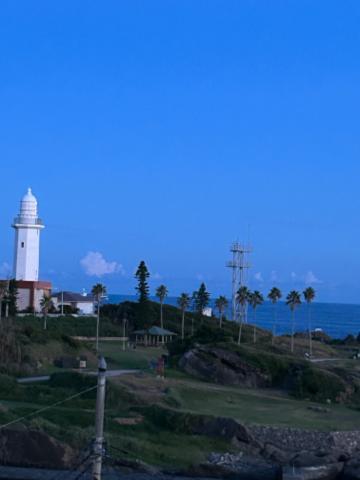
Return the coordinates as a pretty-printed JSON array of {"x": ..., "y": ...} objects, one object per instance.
[
  {"x": 156, "y": 276},
  {"x": 258, "y": 276},
  {"x": 311, "y": 278},
  {"x": 293, "y": 276},
  {"x": 200, "y": 277},
  {"x": 273, "y": 276},
  {"x": 95, "y": 265},
  {"x": 5, "y": 269}
]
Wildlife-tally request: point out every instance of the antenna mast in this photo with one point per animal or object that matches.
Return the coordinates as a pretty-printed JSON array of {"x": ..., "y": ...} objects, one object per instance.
[{"x": 239, "y": 266}]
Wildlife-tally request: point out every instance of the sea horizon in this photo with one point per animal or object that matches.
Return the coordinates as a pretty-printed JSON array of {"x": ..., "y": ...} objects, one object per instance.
[{"x": 336, "y": 319}]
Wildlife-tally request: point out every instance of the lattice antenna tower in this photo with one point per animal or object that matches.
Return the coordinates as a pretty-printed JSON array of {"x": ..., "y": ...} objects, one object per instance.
[{"x": 239, "y": 266}]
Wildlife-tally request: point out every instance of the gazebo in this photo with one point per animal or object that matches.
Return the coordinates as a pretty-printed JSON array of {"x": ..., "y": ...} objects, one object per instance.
[{"x": 153, "y": 336}]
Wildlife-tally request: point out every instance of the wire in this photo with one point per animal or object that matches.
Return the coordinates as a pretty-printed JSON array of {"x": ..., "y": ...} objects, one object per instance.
[{"x": 47, "y": 407}]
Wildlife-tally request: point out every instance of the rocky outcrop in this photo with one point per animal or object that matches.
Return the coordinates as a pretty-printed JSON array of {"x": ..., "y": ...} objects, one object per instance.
[
  {"x": 28, "y": 448},
  {"x": 297, "y": 440},
  {"x": 222, "y": 366},
  {"x": 239, "y": 467}
]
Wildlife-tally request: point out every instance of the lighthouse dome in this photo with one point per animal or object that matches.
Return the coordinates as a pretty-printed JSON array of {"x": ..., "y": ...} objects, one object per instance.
[{"x": 28, "y": 205}]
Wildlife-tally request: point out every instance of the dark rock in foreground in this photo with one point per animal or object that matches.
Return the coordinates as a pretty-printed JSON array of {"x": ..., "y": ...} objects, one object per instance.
[{"x": 34, "y": 448}]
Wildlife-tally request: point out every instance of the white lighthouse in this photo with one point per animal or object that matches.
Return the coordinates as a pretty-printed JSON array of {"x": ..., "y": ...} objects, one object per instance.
[{"x": 27, "y": 227}]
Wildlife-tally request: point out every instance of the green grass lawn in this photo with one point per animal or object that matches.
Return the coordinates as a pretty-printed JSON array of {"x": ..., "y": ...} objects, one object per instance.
[
  {"x": 139, "y": 358},
  {"x": 262, "y": 407}
]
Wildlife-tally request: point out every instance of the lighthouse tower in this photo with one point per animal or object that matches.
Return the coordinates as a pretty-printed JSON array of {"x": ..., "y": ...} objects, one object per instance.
[{"x": 27, "y": 227}]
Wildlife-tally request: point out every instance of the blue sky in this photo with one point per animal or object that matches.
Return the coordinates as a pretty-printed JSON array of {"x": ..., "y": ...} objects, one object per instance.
[{"x": 162, "y": 130}]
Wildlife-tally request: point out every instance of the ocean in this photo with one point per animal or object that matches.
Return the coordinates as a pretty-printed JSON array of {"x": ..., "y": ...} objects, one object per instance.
[{"x": 336, "y": 319}]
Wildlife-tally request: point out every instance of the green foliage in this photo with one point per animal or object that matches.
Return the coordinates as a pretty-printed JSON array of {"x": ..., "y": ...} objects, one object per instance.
[
  {"x": 142, "y": 274},
  {"x": 11, "y": 297},
  {"x": 71, "y": 381},
  {"x": 317, "y": 384},
  {"x": 204, "y": 335},
  {"x": 309, "y": 294},
  {"x": 69, "y": 326},
  {"x": 293, "y": 299},
  {"x": 201, "y": 299},
  {"x": 274, "y": 295}
]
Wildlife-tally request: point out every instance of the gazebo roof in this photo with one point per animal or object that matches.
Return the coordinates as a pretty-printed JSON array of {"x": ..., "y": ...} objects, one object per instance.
[{"x": 158, "y": 331}]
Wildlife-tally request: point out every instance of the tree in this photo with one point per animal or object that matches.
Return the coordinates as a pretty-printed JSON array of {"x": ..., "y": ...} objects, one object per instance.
[
  {"x": 142, "y": 274},
  {"x": 255, "y": 299},
  {"x": 242, "y": 298},
  {"x": 46, "y": 304},
  {"x": 184, "y": 303},
  {"x": 11, "y": 298},
  {"x": 161, "y": 293},
  {"x": 293, "y": 300},
  {"x": 98, "y": 291},
  {"x": 3, "y": 294},
  {"x": 201, "y": 299},
  {"x": 221, "y": 303},
  {"x": 309, "y": 295},
  {"x": 274, "y": 296}
]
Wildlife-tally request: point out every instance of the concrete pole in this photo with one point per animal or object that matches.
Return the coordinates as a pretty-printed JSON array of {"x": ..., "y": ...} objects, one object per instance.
[{"x": 99, "y": 420}]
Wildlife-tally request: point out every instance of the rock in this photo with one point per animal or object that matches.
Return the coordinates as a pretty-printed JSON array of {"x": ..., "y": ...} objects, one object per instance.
[
  {"x": 276, "y": 455},
  {"x": 137, "y": 466},
  {"x": 222, "y": 366},
  {"x": 331, "y": 471},
  {"x": 32, "y": 448},
  {"x": 352, "y": 470},
  {"x": 239, "y": 467},
  {"x": 227, "y": 428}
]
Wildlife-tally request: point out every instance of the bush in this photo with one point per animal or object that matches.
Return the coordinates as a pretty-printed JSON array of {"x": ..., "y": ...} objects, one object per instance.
[
  {"x": 205, "y": 335},
  {"x": 317, "y": 385}
]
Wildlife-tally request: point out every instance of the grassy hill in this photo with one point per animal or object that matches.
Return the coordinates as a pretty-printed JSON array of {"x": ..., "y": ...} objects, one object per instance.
[{"x": 148, "y": 418}]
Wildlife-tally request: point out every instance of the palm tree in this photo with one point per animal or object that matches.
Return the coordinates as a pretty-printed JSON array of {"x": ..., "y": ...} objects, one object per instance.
[
  {"x": 293, "y": 300},
  {"x": 161, "y": 293},
  {"x": 98, "y": 291},
  {"x": 184, "y": 303},
  {"x": 274, "y": 296},
  {"x": 255, "y": 299},
  {"x": 46, "y": 303},
  {"x": 309, "y": 295},
  {"x": 242, "y": 298},
  {"x": 221, "y": 304}
]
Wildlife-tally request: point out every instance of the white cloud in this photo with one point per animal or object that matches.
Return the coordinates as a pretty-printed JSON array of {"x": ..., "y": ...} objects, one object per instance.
[
  {"x": 293, "y": 276},
  {"x": 258, "y": 276},
  {"x": 273, "y": 276},
  {"x": 95, "y": 265},
  {"x": 5, "y": 269},
  {"x": 311, "y": 278},
  {"x": 200, "y": 277},
  {"x": 156, "y": 276}
]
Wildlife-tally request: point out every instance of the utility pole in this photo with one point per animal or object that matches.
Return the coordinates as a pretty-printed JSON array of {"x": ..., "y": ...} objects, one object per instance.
[
  {"x": 62, "y": 303},
  {"x": 99, "y": 420}
]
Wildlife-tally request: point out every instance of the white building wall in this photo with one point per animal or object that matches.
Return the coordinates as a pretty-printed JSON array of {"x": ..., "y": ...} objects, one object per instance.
[
  {"x": 38, "y": 295},
  {"x": 23, "y": 299},
  {"x": 85, "y": 308},
  {"x": 27, "y": 248}
]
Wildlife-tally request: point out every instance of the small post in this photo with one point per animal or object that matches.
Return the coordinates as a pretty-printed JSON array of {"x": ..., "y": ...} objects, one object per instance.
[
  {"x": 99, "y": 420},
  {"x": 124, "y": 330}
]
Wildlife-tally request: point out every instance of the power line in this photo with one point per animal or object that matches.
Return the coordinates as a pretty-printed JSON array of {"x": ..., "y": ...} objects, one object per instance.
[{"x": 47, "y": 407}]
